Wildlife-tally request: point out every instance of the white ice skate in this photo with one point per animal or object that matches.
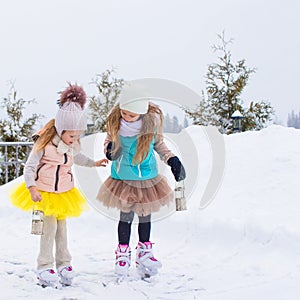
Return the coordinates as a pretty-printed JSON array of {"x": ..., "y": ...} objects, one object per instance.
[
  {"x": 123, "y": 260},
  {"x": 47, "y": 277},
  {"x": 147, "y": 265},
  {"x": 66, "y": 275}
]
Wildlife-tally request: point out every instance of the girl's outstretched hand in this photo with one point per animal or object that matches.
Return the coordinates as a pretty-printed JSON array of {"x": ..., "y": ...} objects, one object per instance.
[
  {"x": 35, "y": 194},
  {"x": 101, "y": 163}
]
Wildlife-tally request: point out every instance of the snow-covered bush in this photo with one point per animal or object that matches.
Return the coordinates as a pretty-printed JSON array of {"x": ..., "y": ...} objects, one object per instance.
[{"x": 15, "y": 127}]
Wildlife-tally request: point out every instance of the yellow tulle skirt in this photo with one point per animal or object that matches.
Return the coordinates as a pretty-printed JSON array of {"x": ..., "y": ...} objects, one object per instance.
[{"x": 61, "y": 205}]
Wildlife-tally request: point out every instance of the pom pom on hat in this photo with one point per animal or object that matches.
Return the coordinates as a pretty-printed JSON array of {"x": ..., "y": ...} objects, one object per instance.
[
  {"x": 73, "y": 93},
  {"x": 134, "y": 98},
  {"x": 71, "y": 115}
]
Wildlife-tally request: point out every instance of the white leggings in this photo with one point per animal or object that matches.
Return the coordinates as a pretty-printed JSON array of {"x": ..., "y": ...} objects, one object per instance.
[{"x": 54, "y": 230}]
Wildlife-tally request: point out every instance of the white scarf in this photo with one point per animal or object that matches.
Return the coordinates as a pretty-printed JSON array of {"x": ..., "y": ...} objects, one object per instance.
[
  {"x": 130, "y": 128},
  {"x": 63, "y": 148}
]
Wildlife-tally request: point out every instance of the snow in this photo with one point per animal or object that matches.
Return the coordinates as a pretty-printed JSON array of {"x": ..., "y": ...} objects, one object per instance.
[
  {"x": 244, "y": 245},
  {"x": 237, "y": 114}
]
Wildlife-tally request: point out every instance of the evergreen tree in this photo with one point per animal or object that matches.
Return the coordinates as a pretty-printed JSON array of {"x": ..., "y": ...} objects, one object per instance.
[
  {"x": 167, "y": 124},
  {"x": 109, "y": 88},
  {"x": 172, "y": 125},
  {"x": 257, "y": 115},
  {"x": 225, "y": 82},
  {"x": 185, "y": 122},
  {"x": 290, "y": 120},
  {"x": 293, "y": 120},
  {"x": 176, "y": 127},
  {"x": 203, "y": 114},
  {"x": 15, "y": 127}
]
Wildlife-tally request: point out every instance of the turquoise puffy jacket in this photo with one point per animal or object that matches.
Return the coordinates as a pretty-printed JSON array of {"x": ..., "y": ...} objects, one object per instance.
[{"x": 123, "y": 168}]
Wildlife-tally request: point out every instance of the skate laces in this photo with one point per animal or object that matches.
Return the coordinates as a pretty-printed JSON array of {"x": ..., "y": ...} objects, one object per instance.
[
  {"x": 145, "y": 251},
  {"x": 46, "y": 271},
  {"x": 47, "y": 275},
  {"x": 123, "y": 255},
  {"x": 66, "y": 271}
]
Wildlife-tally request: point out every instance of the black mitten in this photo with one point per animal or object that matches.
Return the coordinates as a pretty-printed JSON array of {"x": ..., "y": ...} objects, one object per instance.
[
  {"x": 177, "y": 168},
  {"x": 109, "y": 155}
]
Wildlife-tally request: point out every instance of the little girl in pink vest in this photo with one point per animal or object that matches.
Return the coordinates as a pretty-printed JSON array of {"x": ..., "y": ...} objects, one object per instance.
[{"x": 49, "y": 184}]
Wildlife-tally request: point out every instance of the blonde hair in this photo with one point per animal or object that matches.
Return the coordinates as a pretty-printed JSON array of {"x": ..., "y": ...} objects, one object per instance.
[
  {"x": 45, "y": 135},
  {"x": 152, "y": 123}
]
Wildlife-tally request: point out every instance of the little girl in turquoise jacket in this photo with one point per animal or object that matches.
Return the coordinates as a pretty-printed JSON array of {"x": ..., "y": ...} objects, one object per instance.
[{"x": 134, "y": 131}]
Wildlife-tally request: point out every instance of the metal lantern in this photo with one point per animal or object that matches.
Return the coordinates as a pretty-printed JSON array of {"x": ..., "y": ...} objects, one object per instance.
[
  {"x": 179, "y": 196},
  {"x": 37, "y": 224},
  {"x": 237, "y": 121}
]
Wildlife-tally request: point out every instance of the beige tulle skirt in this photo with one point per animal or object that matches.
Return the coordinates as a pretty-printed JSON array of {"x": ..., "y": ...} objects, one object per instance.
[{"x": 141, "y": 196}]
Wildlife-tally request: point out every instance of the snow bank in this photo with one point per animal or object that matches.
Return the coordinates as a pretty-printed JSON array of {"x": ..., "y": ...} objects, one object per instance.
[{"x": 245, "y": 244}]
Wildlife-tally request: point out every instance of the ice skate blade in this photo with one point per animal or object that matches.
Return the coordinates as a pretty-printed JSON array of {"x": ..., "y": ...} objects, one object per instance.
[
  {"x": 146, "y": 274},
  {"x": 66, "y": 282},
  {"x": 120, "y": 279},
  {"x": 45, "y": 284}
]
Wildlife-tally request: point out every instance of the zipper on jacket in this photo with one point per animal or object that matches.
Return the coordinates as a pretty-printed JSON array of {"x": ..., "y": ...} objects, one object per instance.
[
  {"x": 119, "y": 163},
  {"x": 66, "y": 158},
  {"x": 37, "y": 171},
  {"x": 139, "y": 168},
  {"x": 71, "y": 175},
  {"x": 56, "y": 178}
]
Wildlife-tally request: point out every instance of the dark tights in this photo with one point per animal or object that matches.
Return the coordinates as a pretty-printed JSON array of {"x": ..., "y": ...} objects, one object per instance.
[{"x": 124, "y": 227}]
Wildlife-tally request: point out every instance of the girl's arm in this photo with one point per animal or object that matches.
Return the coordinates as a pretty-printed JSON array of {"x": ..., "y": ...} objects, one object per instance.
[
  {"x": 159, "y": 145},
  {"x": 82, "y": 160},
  {"x": 31, "y": 166},
  {"x": 107, "y": 140},
  {"x": 169, "y": 158},
  {"x": 30, "y": 173},
  {"x": 161, "y": 148}
]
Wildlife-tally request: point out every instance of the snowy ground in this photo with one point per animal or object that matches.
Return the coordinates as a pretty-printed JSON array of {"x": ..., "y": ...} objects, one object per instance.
[{"x": 244, "y": 245}]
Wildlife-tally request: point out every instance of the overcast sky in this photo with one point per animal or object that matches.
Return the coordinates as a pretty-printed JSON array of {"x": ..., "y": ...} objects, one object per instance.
[{"x": 46, "y": 43}]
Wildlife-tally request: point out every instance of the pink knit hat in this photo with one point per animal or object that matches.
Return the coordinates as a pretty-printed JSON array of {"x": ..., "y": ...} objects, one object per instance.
[{"x": 71, "y": 115}]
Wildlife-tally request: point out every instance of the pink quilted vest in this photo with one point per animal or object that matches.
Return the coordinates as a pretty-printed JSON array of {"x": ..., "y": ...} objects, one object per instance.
[{"x": 54, "y": 173}]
